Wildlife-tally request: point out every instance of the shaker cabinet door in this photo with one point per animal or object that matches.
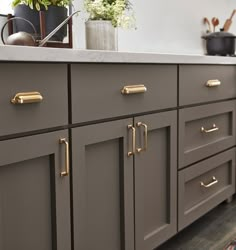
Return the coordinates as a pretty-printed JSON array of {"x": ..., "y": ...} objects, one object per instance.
[
  {"x": 34, "y": 198},
  {"x": 155, "y": 179},
  {"x": 103, "y": 187}
]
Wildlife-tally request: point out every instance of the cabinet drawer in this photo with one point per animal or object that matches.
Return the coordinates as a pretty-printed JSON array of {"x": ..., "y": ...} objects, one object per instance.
[
  {"x": 96, "y": 90},
  {"x": 205, "y": 130},
  {"x": 204, "y": 185},
  {"x": 193, "y": 83},
  {"x": 49, "y": 80}
]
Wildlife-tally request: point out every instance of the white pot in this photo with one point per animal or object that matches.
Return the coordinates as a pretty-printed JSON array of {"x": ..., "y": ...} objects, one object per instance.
[{"x": 100, "y": 35}]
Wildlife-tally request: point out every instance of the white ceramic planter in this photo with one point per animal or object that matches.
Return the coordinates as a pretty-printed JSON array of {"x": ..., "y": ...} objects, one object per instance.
[{"x": 100, "y": 35}]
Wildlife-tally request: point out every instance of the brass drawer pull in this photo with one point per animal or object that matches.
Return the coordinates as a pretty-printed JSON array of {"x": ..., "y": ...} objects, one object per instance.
[
  {"x": 133, "y": 89},
  {"x": 140, "y": 124},
  {"x": 66, "y": 172},
  {"x": 213, "y": 129},
  {"x": 27, "y": 97},
  {"x": 213, "y": 83},
  {"x": 214, "y": 181},
  {"x": 133, "y": 140}
]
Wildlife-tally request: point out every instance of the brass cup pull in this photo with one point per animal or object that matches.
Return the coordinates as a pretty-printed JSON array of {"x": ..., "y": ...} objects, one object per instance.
[
  {"x": 213, "y": 129},
  {"x": 133, "y": 140},
  {"x": 133, "y": 89},
  {"x": 66, "y": 172},
  {"x": 213, "y": 182},
  {"x": 140, "y": 124},
  {"x": 27, "y": 97},
  {"x": 213, "y": 83}
]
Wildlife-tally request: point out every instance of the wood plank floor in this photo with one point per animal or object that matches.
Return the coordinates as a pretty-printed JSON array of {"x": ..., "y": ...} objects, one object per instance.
[{"x": 211, "y": 232}]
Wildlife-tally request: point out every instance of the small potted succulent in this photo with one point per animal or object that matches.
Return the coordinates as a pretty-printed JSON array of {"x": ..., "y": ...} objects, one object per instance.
[
  {"x": 55, "y": 13},
  {"x": 104, "y": 17}
]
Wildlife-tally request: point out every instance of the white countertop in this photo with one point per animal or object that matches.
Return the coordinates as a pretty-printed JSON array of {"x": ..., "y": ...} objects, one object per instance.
[{"x": 34, "y": 54}]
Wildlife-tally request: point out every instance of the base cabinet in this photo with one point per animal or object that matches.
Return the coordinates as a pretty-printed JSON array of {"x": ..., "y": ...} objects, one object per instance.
[
  {"x": 102, "y": 187},
  {"x": 107, "y": 183},
  {"x": 155, "y": 181},
  {"x": 34, "y": 198}
]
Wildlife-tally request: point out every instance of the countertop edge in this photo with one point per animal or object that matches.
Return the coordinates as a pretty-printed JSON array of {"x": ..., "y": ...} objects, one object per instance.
[{"x": 56, "y": 55}]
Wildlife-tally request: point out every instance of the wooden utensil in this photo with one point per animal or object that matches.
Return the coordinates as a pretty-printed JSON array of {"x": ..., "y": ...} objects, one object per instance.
[
  {"x": 228, "y": 22},
  {"x": 206, "y": 21},
  {"x": 215, "y": 21}
]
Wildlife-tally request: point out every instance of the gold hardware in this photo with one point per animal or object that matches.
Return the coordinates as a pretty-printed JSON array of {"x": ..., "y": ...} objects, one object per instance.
[
  {"x": 213, "y": 83},
  {"x": 214, "y": 181},
  {"x": 213, "y": 129},
  {"x": 27, "y": 97},
  {"x": 66, "y": 172},
  {"x": 133, "y": 140},
  {"x": 140, "y": 124},
  {"x": 133, "y": 89}
]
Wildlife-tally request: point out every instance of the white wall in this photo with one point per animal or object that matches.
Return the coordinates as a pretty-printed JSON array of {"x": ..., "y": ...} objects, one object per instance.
[{"x": 165, "y": 26}]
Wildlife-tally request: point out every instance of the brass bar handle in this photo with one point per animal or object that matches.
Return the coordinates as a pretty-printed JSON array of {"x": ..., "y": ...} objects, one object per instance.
[
  {"x": 213, "y": 182},
  {"x": 140, "y": 124},
  {"x": 134, "y": 89},
  {"x": 133, "y": 140},
  {"x": 27, "y": 97},
  {"x": 213, "y": 129},
  {"x": 213, "y": 83},
  {"x": 66, "y": 172}
]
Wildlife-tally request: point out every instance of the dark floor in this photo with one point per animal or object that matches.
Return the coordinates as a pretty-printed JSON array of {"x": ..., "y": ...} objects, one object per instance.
[{"x": 211, "y": 232}]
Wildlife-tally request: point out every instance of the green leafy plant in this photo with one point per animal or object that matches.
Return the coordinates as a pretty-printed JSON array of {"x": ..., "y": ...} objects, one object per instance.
[
  {"x": 38, "y": 4},
  {"x": 119, "y": 12}
]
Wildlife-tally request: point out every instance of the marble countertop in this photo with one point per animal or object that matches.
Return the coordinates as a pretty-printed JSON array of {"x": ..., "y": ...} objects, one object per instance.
[{"x": 34, "y": 54}]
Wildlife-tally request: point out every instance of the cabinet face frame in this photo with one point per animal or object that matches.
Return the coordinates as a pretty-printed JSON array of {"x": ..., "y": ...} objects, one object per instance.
[
  {"x": 167, "y": 226},
  {"x": 20, "y": 152},
  {"x": 84, "y": 138}
]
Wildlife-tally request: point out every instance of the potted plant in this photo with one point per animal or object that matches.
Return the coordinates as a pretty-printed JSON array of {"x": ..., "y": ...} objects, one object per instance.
[
  {"x": 104, "y": 17},
  {"x": 55, "y": 12}
]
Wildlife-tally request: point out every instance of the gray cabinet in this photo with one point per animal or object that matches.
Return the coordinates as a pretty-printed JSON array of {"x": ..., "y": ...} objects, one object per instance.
[
  {"x": 205, "y": 130},
  {"x": 155, "y": 180},
  {"x": 204, "y": 185},
  {"x": 34, "y": 198},
  {"x": 110, "y": 177},
  {"x": 102, "y": 187}
]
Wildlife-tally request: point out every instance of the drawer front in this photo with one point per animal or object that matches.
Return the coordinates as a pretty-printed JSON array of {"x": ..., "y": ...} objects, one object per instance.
[
  {"x": 193, "y": 81},
  {"x": 204, "y": 185},
  {"x": 49, "y": 80},
  {"x": 96, "y": 90},
  {"x": 205, "y": 130}
]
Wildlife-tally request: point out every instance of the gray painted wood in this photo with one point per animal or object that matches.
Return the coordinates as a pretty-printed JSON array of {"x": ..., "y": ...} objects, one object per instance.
[
  {"x": 195, "y": 200},
  {"x": 48, "y": 79},
  {"x": 34, "y": 199},
  {"x": 96, "y": 90},
  {"x": 103, "y": 187},
  {"x": 192, "y": 80},
  {"x": 195, "y": 145},
  {"x": 155, "y": 182}
]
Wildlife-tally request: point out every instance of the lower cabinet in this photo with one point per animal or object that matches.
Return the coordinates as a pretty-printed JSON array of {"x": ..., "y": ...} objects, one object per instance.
[
  {"x": 34, "y": 197},
  {"x": 155, "y": 180},
  {"x": 204, "y": 185},
  {"x": 124, "y": 190},
  {"x": 102, "y": 187}
]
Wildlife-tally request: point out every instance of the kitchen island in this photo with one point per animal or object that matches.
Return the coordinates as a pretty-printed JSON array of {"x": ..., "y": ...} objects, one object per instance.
[{"x": 111, "y": 150}]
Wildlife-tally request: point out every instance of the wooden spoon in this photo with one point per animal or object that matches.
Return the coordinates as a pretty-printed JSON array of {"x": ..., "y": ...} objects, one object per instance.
[
  {"x": 215, "y": 22},
  {"x": 206, "y": 21},
  {"x": 228, "y": 22}
]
